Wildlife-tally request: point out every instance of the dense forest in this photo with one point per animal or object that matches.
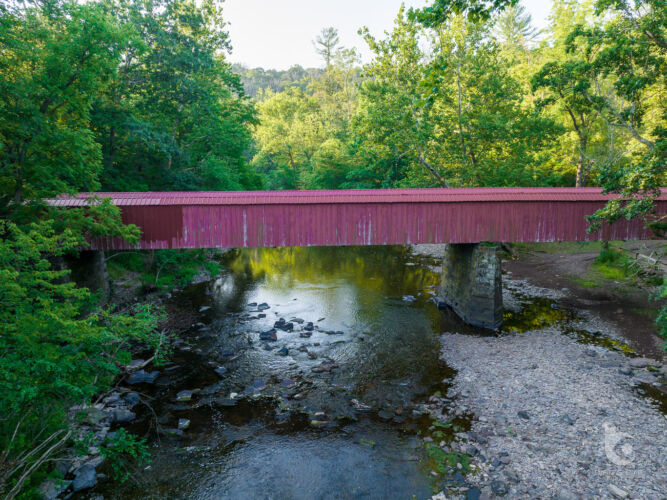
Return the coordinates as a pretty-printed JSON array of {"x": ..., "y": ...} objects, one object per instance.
[{"x": 135, "y": 95}]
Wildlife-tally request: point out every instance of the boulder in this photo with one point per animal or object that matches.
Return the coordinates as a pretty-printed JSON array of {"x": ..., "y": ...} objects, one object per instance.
[
  {"x": 142, "y": 377},
  {"x": 85, "y": 478},
  {"x": 123, "y": 416}
]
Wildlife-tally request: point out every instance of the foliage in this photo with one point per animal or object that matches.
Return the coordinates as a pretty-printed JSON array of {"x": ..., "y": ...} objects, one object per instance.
[
  {"x": 445, "y": 461},
  {"x": 631, "y": 50},
  {"x": 256, "y": 80},
  {"x": 123, "y": 449},
  {"x": 54, "y": 61},
  {"x": 661, "y": 321},
  {"x": 175, "y": 116},
  {"x": 475, "y": 10},
  {"x": 614, "y": 264},
  {"x": 51, "y": 355},
  {"x": 164, "y": 269}
]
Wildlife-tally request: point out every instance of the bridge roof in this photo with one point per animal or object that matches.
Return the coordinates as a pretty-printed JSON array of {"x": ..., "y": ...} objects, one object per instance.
[{"x": 440, "y": 195}]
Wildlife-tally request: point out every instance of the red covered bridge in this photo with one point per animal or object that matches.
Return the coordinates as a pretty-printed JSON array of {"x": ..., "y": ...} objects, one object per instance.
[{"x": 362, "y": 217}]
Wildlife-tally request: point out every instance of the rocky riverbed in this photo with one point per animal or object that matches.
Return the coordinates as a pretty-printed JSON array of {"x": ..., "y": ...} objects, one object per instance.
[
  {"x": 327, "y": 373},
  {"x": 555, "y": 418}
]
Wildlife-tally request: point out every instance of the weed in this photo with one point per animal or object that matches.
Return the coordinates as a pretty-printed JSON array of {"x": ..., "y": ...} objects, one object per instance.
[{"x": 122, "y": 449}]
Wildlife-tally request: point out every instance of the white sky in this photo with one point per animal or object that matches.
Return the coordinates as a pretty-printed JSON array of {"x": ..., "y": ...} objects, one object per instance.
[{"x": 277, "y": 34}]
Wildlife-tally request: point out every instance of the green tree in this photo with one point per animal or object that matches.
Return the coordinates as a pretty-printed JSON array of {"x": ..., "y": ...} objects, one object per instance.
[
  {"x": 175, "y": 118},
  {"x": 289, "y": 132},
  {"x": 514, "y": 30},
  {"x": 630, "y": 49},
  {"x": 474, "y": 10},
  {"x": 54, "y": 350},
  {"x": 326, "y": 45},
  {"x": 54, "y": 60},
  {"x": 396, "y": 129}
]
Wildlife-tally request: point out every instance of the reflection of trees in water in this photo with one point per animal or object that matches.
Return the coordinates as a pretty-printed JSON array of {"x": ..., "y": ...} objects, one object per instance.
[
  {"x": 378, "y": 268},
  {"x": 400, "y": 341}
]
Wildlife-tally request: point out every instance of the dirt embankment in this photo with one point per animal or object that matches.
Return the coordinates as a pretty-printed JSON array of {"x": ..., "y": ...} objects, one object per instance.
[{"x": 569, "y": 268}]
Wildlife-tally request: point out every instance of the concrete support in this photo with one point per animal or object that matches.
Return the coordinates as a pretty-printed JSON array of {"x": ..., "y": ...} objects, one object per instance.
[
  {"x": 471, "y": 284},
  {"x": 89, "y": 270}
]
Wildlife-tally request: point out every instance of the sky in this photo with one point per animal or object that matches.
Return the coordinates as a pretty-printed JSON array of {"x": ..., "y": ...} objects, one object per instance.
[{"x": 277, "y": 34}]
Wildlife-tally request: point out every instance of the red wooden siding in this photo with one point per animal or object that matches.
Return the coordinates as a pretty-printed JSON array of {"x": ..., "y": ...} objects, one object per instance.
[{"x": 362, "y": 217}]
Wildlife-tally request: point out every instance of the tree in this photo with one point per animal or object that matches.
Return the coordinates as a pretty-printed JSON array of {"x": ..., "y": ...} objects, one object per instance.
[
  {"x": 289, "y": 132},
  {"x": 563, "y": 81},
  {"x": 473, "y": 10},
  {"x": 326, "y": 44},
  {"x": 397, "y": 130},
  {"x": 54, "y": 350},
  {"x": 54, "y": 61},
  {"x": 176, "y": 116},
  {"x": 630, "y": 49},
  {"x": 514, "y": 29}
]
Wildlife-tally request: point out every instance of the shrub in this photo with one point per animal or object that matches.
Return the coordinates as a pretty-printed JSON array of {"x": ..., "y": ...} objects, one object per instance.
[{"x": 54, "y": 351}]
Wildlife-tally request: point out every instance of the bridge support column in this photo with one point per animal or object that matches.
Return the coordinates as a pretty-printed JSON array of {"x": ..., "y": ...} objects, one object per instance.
[
  {"x": 471, "y": 284},
  {"x": 89, "y": 270}
]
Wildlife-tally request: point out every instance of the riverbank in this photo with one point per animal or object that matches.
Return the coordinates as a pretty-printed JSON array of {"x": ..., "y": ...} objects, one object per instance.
[
  {"x": 338, "y": 361},
  {"x": 563, "y": 404},
  {"x": 555, "y": 418}
]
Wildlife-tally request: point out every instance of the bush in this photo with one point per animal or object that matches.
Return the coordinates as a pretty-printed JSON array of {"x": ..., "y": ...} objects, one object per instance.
[
  {"x": 123, "y": 449},
  {"x": 662, "y": 316},
  {"x": 54, "y": 351}
]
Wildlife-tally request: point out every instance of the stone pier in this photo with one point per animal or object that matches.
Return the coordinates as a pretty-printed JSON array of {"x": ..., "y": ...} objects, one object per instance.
[
  {"x": 89, "y": 269},
  {"x": 471, "y": 284}
]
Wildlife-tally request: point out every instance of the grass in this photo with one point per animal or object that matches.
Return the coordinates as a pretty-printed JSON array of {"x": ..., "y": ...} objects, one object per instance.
[
  {"x": 614, "y": 265},
  {"x": 586, "y": 282}
]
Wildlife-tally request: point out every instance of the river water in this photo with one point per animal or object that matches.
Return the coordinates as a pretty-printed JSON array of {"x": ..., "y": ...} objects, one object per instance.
[
  {"x": 333, "y": 415},
  {"x": 329, "y": 412}
]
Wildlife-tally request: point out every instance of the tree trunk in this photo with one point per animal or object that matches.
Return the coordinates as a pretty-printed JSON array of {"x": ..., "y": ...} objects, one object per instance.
[
  {"x": 581, "y": 167},
  {"x": 463, "y": 141},
  {"x": 433, "y": 171}
]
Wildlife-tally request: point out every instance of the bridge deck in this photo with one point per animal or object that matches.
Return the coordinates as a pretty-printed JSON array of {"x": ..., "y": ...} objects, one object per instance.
[{"x": 361, "y": 217}]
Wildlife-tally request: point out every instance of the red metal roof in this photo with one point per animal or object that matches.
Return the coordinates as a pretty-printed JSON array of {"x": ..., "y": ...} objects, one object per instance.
[
  {"x": 439, "y": 195},
  {"x": 362, "y": 217}
]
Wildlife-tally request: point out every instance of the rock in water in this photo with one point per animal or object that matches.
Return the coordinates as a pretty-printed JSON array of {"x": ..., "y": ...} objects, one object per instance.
[
  {"x": 184, "y": 396},
  {"x": 409, "y": 298},
  {"x": 86, "y": 477},
  {"x": 221, "y": 371},
  {"x": 269, "y": 335},
  {"x": 281, "y": 324},
  {"x": 142, "y": 377},
  {"x": 263, "y": 306},
  {"x": 309, "y": 326}
]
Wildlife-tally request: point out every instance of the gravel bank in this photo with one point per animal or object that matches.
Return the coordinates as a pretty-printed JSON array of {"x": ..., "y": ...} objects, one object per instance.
[{"x": 554, "y": 418}]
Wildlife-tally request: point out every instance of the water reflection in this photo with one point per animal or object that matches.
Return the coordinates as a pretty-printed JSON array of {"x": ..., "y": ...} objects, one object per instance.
[{"x": 252, "y": 433}]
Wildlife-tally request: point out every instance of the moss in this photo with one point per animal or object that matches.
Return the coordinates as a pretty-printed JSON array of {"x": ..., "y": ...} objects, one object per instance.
[{"x": 586, "y": 282}]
